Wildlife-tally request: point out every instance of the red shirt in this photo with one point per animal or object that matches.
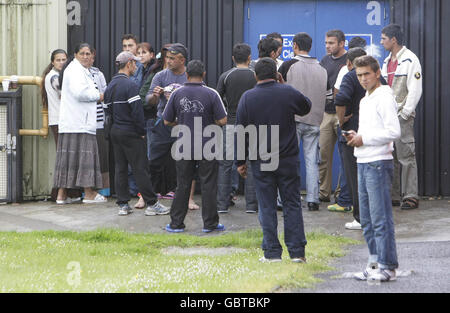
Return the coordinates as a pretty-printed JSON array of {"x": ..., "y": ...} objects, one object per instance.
[{"x": 392, "y": 67}]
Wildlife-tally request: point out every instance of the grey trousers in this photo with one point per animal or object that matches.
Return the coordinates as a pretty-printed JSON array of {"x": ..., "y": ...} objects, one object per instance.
[{"x": 405, "y": 182}]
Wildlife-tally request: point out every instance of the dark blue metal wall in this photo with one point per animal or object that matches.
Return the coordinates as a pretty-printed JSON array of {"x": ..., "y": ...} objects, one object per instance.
[{"x": 209, "y": 28}]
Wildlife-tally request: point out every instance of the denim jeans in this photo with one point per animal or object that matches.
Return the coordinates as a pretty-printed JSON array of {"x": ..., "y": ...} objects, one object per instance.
[
  {"x": 287, "y": 180},
  {"x": 224, "y": 180},
  {"x": 345, "y": 198},
  {"x": 374, "y": 185},
  {"x": 310, "y": 135}
]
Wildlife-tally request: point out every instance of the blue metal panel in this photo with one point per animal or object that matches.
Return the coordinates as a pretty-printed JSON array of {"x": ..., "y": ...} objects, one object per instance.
[{"x": 289, "y": 17}]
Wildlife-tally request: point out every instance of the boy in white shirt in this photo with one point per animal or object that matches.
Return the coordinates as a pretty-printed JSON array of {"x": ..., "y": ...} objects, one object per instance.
[{"x": 374, "y": 144}]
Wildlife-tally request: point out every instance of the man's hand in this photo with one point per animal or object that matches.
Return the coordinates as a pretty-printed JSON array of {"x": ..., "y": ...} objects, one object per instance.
[
  {"x": 242, "y": 170},
  {"x": 354, "y": 140},
  {"x": 280, "y": 78},
  {"x": 158, "y": 91},
  {"x": 102, "y": 97},
  {"x": 345, "y": 119}
]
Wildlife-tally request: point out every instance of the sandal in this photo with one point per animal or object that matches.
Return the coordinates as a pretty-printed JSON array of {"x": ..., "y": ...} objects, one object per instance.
[{"x": 410, "y": 204}]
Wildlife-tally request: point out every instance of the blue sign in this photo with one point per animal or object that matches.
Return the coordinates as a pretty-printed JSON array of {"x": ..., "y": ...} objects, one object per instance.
[{"x": 288, "y": 50}]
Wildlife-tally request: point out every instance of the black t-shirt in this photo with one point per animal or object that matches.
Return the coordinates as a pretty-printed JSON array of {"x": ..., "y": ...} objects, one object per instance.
[
  {"x": 333, "y": 67},
  {"x": 232, "y": 84},
  {"x": 284, "y": 68}
]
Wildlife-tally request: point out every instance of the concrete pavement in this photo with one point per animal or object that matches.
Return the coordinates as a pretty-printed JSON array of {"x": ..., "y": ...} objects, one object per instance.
[{"x": 423, "y": 236}]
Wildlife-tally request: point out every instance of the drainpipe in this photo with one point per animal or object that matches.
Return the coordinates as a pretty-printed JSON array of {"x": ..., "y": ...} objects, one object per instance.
[{"x": 37, "y": 81}]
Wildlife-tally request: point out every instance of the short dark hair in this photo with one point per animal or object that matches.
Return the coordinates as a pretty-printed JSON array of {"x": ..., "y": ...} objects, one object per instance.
[
  {"x": 303, "y": 41},
  {"x": 266, "y": 68},
  {"x": 354, "y": 53},
  {"x": 357, "y": 42},
  {"x": 130, "y": 36},
  {"x": 394, "y": 30},
  {"x": 339, "y": 34},
  {"x": 195, "y": 68},
  {"x": 367, "y": 60},
  {"x": 267, "y": 46},
  {"x": 275, "y": 36},
  {"x": 241, "y": 52}
]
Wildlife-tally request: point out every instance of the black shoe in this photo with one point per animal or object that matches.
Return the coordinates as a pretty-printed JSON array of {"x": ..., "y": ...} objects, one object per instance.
[
  {"x": 313, "y": 206},
  {"x": 324, "y": 199}
]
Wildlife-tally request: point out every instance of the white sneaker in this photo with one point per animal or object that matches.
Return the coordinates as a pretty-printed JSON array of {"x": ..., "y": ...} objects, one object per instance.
[
  {"x": 369, "y": 270},
  {"x": 383, "y": 275},
  {"x": 264, "y": 260},
  {"x": 68, "y": 201},
  {"x": 353, "y": 225}
]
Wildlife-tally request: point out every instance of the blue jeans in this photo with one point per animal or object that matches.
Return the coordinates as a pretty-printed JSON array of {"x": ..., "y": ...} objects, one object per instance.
[
  {"x": 344, "y": 199},
  {"x": 225, "y": 178},
  {"x": 374, "y": 185},
  {"x": 310, "y": 136},
  {"x": 287, "y": 180}
]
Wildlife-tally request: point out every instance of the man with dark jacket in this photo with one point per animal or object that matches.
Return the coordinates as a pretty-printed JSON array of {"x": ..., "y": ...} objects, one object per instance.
[
  {"x": 269, "y": 107},
  {"x": 128, "y": 137}
]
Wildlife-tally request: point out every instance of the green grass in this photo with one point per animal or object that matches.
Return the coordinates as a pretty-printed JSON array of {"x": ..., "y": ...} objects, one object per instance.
[{"x": 116, "y": 261}]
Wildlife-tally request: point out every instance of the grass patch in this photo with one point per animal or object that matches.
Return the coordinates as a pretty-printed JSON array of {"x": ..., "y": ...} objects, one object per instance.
[{"x": 116, "y": 261}]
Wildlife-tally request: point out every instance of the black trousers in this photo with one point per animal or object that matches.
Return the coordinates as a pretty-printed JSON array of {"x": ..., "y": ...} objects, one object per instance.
[
  {"x": 207, "y": 171},
  {"x": 131, "y": 149},
  {"x": 351, "y": 173}
]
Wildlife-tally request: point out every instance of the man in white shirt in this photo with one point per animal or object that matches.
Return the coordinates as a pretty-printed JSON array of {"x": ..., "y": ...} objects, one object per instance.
[
  {"x": 374, "y": 143},
  {"x": 403, "y": 72}
]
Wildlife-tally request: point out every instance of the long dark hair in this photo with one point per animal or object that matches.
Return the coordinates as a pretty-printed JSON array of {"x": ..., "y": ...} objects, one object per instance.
[
  {"x": 161, "y": 61},
  {"x": 45, "y": 73},
  {"x": 77, "y": 49}
]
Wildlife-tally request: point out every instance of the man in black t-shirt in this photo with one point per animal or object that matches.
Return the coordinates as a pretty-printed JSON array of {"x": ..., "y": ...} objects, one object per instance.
[
  {"x": 332, "y": 62},
  {"x": 232, "y": 84}
]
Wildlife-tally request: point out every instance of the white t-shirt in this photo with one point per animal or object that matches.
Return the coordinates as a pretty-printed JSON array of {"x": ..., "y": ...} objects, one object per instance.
[
  {"x": 340, "y": 78},
  {"x": 53, "y": 96}
]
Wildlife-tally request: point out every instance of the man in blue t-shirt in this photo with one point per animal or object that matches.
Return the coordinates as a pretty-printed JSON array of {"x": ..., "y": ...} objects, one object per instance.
[
  {"x": 193, "y": 108},
  {"x": 268, "y": 106},
  {"x": 163, "y": 84}
]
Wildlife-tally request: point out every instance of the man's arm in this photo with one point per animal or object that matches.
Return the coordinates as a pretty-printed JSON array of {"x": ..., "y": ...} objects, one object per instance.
[
  {"x": 137, "y": 111},
  {"x": 414, "y": 85},
  {"x": 344, "y": 98},
  {"x": 155, "y": 91}
]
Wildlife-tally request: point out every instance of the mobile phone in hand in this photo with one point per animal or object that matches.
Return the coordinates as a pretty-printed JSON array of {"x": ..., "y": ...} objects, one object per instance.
[{"x": 346, "y": 133}]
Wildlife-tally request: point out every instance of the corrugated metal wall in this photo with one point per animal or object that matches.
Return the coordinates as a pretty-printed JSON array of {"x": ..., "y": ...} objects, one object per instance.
[
  {"x": 29, "y": 31},
  {"x": 427, "y": 30},
  {"x": 209, "y": 28}
]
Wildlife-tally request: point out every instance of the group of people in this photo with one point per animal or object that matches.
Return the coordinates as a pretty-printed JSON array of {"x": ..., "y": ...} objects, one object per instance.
[{"x": 157, "y": 103}]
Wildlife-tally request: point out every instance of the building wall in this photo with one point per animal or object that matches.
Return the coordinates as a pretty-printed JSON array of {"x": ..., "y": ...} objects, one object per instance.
[
  {"x": 427, "y": 34},
  {"x": 208, "y": 28},
  {"x": 29, "y": 31}
]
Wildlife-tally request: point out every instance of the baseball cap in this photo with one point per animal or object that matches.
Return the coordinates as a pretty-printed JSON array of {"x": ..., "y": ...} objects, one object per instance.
[
  {"x": 125, "y": 57},
  {"x": 178, "y": 48}
]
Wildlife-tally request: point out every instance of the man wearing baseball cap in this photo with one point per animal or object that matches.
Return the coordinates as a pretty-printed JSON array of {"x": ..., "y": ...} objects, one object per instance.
[
  {"x": 163, "y": 84},
  {"x": 123, "y": 103}
]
